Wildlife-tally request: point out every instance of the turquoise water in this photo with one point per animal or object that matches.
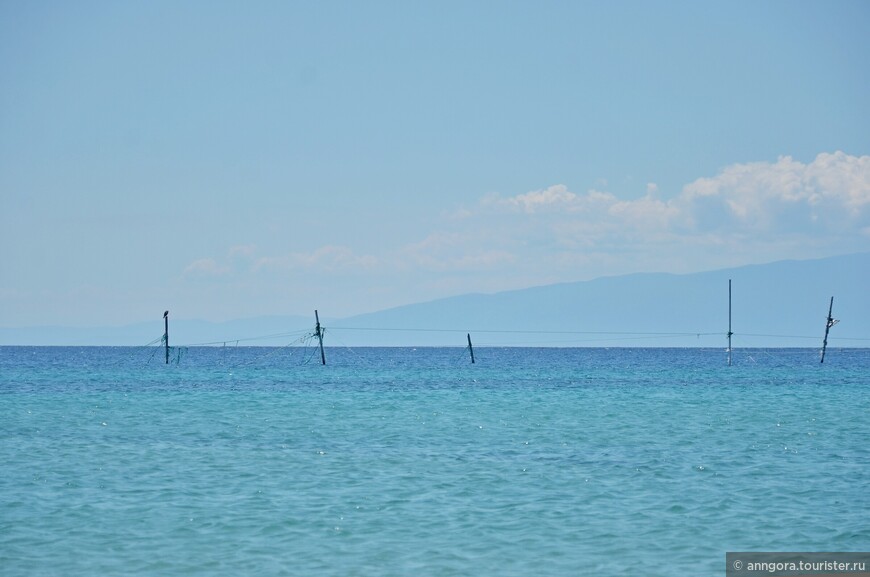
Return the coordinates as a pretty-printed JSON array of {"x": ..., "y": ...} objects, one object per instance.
[{"x": 257, "y": 461}]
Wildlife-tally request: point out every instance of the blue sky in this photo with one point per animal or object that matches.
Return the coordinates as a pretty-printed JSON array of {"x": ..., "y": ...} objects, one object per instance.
[{"x": 229, "y": 159}]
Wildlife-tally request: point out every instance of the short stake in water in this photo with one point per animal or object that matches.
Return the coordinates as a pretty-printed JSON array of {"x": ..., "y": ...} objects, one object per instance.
[{"x": 470, "y": 348}]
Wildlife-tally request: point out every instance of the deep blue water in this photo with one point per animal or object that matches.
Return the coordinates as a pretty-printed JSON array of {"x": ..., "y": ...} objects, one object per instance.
[{"x": 393, "y": 461}]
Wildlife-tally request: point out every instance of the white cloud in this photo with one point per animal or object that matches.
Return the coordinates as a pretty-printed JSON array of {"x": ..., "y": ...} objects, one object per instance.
[
  {"x": 646, "y": 213},
  {"x": 326, "y": 258},
  {"x": 244, "y": 251},
  {"x": 844, "y": 177},
  {"x": 752, "y": 212},
  {"x": 746, "y": 213},
  {"x": 832, "y": 192},
  {"x": 205, "y": 267},
  {"x": 554, "y": 199},
  {"x": 453, "y": 251},
  {"x": 333, "y": 257}
]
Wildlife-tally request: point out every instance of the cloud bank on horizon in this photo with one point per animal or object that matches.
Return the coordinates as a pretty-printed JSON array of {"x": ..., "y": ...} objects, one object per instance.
[
  {"x": 747, "y": 213},
  {"x": 754, "y": 212}
]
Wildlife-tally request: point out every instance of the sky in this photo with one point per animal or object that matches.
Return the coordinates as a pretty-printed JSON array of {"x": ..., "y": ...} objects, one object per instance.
[{"x": 227, "y": 160}]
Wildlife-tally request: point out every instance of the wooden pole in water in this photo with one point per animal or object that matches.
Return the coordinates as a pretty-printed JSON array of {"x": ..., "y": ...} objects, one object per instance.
[
  {"x": 729, "y": 322},
  {"x": 319, "y": 332},
  {"x": 831, "y": 322},
  {"x": 470, "y": 348},
  {"x": 166, "y": 334}
]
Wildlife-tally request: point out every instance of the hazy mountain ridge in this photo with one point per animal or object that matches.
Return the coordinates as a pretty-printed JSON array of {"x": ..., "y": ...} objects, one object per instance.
[
  {"x": 787, "y": 298},
  {"x": 777, "y": 304}
]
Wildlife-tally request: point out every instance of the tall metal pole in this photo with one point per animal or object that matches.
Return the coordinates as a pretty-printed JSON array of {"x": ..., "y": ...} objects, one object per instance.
[
  {"x": 729, "y": 322},
  {"x": 166, "y": 334},
  {"x": 828, "y": 326},
  {"x": 470, "y": 348},
  {"x": 319, "y": 332}
]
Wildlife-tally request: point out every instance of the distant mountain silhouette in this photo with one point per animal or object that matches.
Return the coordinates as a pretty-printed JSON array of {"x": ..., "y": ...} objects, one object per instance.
[
  {"x": 787, "y": 300},
  {"x": 778, "y": 304}
]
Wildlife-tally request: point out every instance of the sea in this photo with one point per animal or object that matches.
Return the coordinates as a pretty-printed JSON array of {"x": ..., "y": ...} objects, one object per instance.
[{"x": 263, "y": 461}]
